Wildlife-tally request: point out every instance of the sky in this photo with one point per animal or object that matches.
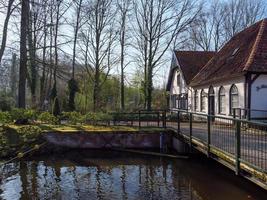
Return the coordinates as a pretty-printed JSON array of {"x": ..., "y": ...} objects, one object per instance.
[{"x": 160, "y": 78}]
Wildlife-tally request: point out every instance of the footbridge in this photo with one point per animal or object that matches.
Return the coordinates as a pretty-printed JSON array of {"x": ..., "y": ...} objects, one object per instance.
[{"x": 240, "y": 145}]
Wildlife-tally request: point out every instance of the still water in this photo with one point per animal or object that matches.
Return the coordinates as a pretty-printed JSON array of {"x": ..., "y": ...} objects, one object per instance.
[{"x": 106, "y": 175}]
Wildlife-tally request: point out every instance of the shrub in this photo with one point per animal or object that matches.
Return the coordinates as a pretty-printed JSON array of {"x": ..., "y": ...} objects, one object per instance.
[
  {"x": 56, "y": 107},
  {"x": 104, "y": 116},
  {"x": 20, "y": 113},
  {"x": 96, "y": 117},
  {"x": 73, "y": 117},
  {"x": 47, "y": 117},
  {"x": 5, "y": 117},
  {"x": 17, "y": 113},
  {"x": 6, "y": 101},
  {"x": 30, "y": 114},
  {"x": 73, "y": 88},
  {"x": 125, "y": 116},
  {"x": 29, "y": 133}
]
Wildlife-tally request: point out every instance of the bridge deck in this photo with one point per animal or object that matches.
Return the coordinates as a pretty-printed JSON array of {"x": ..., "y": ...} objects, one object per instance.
[
  {"x": 222, "y": 142},
  {"x": 253, "y": 145}
]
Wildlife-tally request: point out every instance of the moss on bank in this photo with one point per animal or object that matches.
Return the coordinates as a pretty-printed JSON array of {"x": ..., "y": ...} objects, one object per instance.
[
  {"x": 18, "y": 138},
  {"x": 77, "y": 128}
]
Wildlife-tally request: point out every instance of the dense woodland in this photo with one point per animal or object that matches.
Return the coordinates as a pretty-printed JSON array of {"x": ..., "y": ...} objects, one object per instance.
[{"x": 106, "y": 55}]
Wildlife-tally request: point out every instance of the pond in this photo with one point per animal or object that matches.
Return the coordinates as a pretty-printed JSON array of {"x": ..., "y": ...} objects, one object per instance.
[{"x": 112, "y": 175}]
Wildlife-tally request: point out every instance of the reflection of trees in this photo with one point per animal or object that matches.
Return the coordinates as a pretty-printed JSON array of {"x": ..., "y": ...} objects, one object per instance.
[
  {"x": 34, "y": 184},
  {"x": 23, "y": 171},
  {"x": 183, "y": 184},
  {"x": 55, "y": 176},
  {"x": 98, "y": 184},
  {"x": 123, "y": 182},
  {"x": 45, "y": 180},
  {"x": 152, "y": 179},
  {"x": 75, "y": 181}
]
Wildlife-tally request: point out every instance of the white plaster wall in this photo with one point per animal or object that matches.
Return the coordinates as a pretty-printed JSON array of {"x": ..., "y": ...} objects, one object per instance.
[
  {"x": 240, "y": 84},
  {"x": 175, "y": 89},
  {"x": 259, "y": 96}
]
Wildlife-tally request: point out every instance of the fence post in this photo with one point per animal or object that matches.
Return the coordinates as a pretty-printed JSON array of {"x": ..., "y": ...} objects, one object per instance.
[
  {"x": 208, "y": 145},
  {"x": 139, "y": 119},
  {"x": 237, "y": 147},
  {"x": 158, "y": 119},
  {"x": 114, "y": 120},
  {"x": 234, "y": 113},
  {"x": 190, "y": 130},
  {"x": 164, "y": 120},
  {"x": 178, "y": 120}
]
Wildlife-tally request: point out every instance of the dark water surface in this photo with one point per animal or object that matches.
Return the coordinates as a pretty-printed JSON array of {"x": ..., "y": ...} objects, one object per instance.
[{"x": 105, "y": 175}]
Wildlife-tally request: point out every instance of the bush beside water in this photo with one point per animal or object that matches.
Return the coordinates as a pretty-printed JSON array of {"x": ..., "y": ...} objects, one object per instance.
[
  {"x": 21, "y": 138},
  {"x": 15, "y": 138}
]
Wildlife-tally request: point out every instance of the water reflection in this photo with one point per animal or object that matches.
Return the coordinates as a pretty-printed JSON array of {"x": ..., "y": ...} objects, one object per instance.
[{"x": 84, "y": 175}]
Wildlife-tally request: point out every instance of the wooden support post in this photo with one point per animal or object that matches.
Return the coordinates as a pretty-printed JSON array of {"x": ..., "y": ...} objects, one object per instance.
[
  {"x": 208, "y": 142},
  {"x": 237, "y": 147}
]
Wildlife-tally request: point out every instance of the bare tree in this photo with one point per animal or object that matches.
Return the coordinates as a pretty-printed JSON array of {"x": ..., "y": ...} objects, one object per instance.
[
  {"x": 13, "y": 76},
  {"x": 34, "y": 27},
  {"x": 77, "y": 26},
  {"x": 221, "y": 21},
  {"x": 124, "y": 7},
  {"x": 4, "y": 35},
  {"x": 73, "y": 86},
  {"x": 158, "y": 24},
  {"x": 23, "y": 53},
  {"x": 44, "y": 72},
  {"x": 99, "y": 36},
  {"x": 240, "y": 14},
  {"x": 201, "y": 32},
  {"x": 217, "y": 16},
  {"x": 206, "y": 31}
]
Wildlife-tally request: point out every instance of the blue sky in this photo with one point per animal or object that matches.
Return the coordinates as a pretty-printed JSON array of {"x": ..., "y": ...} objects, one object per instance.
[{"x": 162, "y": 73}]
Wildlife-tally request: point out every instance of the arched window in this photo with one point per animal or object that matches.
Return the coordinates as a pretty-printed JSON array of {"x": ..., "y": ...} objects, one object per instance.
[
  {"x": 202, "y": 101},
  {"x": 196, "y": 102},
  {"x": 222, "y": 100},
  {"x": 234, "y": 101},
  {"x": 178, "y": 80},
  {"x": 211, "y": 91}
]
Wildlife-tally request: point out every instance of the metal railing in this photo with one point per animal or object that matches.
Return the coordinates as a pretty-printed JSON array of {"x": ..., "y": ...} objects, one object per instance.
[
  {"x": 241, "y": 140},
  {"x": 250, "y": 114},
  {"x": 142, "y": 118}
]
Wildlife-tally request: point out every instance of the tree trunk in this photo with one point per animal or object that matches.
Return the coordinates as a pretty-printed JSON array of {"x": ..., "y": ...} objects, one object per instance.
[
  {"x": 43, "y": 81},
  {"x": 96, "y": 91},
  {"x": 149, "y": 89},
  {"x": 73, "y": 91},
  {"x": 122, "y": 71},
  {"x": 32, "y": 55},
  {"x": 23, "y": 54},
  {"x": 13, "y": 77}
]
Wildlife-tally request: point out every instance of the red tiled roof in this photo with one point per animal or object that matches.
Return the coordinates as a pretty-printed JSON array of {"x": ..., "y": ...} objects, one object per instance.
[
  {"x": 190, "y": 63},
  {"x": 245, "y": 52}
]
